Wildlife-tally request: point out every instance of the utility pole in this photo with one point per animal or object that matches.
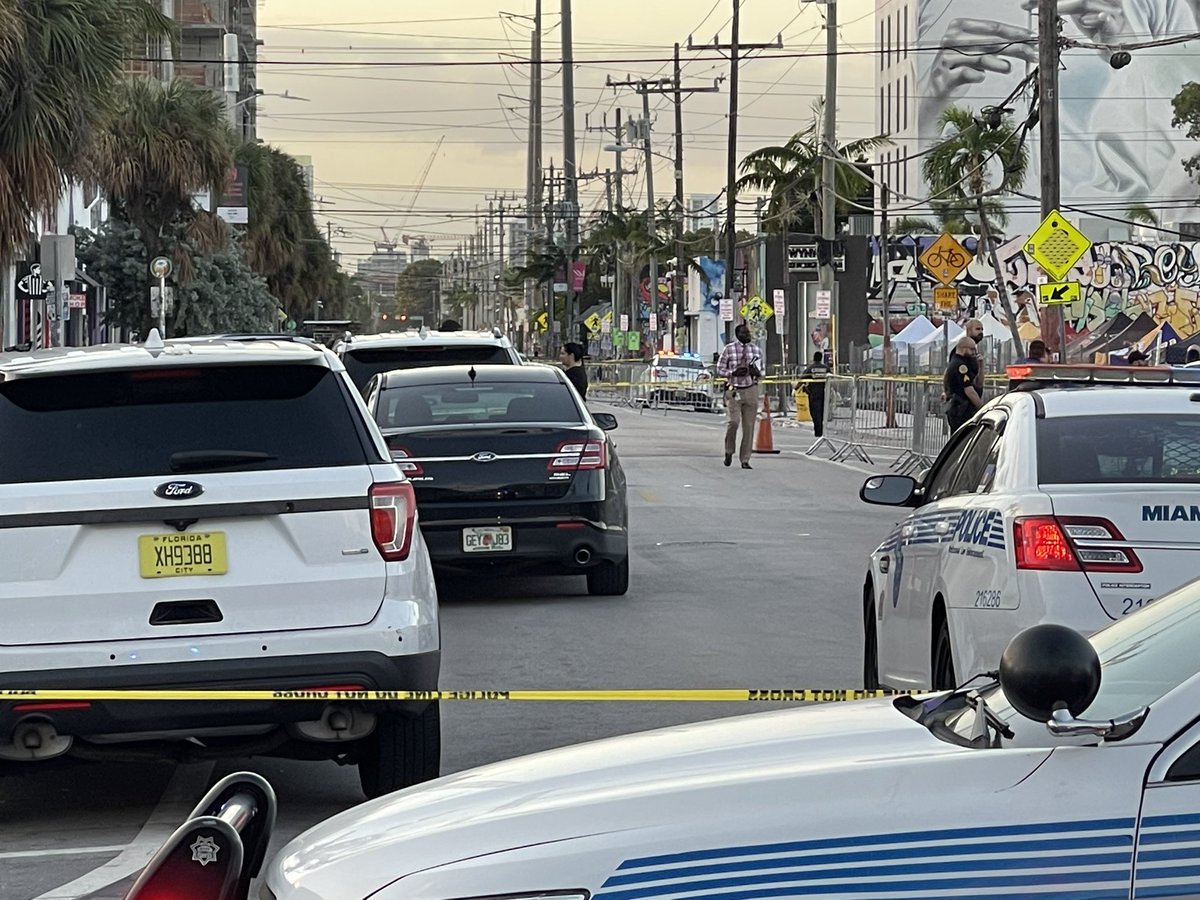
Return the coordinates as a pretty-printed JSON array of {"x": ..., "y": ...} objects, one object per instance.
[
  {"x": 735, "y": 48},
  {"x": 498, "y": 279},
  {"x": 1048, "y": 52},
  {"x": 884, "y": 246},
  {"x": 826, "y": 275},
  {"x": 550, "y": 244},
  {"x": 533, "y": 184},
  {"x": 615, "y": 204},
  {"x": 571, "y": 232}
]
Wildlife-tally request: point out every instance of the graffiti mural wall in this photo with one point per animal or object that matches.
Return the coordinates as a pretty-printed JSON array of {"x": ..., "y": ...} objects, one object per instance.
[{"x": 1140, "y": 281}]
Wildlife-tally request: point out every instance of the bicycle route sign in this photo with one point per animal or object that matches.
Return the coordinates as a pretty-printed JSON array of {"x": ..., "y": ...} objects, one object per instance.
[{"x": 945, "y": 258}]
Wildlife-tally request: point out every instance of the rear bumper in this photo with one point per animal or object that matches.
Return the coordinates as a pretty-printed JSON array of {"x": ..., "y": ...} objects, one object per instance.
[
  {"x": 544, "y": 544},
  {"x": 370, "y": 670}
]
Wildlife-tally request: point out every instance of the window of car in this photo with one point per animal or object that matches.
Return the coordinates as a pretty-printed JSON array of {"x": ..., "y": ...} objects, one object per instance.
[
  {"x": 979, "y": 462},
  {"x": 1139, "y": 448},
  {"x": 411, "y": 406},
  {"x": 135, "y": 422},
  {"x": 363, "y": 362},
  {"x": 941, "y": 479}
]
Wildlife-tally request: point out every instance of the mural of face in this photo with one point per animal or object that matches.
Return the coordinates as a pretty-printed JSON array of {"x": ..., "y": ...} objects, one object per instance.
[{"x": 1117, "y": 142}]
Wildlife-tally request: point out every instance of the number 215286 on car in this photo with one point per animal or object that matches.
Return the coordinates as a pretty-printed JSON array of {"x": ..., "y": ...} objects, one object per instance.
[{"x": 1071, "y": 499}]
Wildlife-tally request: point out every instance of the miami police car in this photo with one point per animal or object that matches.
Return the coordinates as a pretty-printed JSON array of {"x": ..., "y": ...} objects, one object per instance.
[
  {"x": 678, "y": 380},
  {"x": 1070, "y": 499},
  {"x": 986, "y": 791}
]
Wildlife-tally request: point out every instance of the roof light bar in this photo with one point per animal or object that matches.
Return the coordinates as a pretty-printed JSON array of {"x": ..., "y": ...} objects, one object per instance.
[{"x": 1092, "y": 374}]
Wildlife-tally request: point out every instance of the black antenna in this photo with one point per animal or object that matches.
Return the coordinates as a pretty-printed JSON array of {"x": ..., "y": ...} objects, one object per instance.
[{"x": 471, "y": 373}]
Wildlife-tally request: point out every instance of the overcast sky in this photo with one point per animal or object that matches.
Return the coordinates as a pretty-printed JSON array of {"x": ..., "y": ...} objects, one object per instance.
[{"x": 371, "y": 125}]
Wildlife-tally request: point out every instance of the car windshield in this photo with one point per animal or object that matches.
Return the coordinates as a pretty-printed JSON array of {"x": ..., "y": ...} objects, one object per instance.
[
  {"x": 363, "y": 363},
  {"x": 1150, "y": 448},
  {"x": 1142, "y": 657},
  {"x": 415, "y": 406}
]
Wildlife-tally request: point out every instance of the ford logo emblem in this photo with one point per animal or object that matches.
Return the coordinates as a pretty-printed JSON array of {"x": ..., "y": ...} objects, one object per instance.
[
  {"x": 484, "y": 457},
  {"x": 178, "y": 490}
]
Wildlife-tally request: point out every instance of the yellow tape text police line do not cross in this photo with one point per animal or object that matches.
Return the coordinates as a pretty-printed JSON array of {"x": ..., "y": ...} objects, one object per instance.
[{"x": 768, "y": 695}]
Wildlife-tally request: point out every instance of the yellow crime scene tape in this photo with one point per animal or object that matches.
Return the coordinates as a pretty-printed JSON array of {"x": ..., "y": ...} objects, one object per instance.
[{"x": 753, "y": 695}]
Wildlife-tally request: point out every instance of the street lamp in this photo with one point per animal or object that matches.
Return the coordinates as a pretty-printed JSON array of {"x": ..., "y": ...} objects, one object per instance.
[{"x": 284, "y": 96}]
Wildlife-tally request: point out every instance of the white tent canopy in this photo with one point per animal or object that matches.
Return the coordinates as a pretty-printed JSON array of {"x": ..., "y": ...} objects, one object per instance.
[
  {"x": 996, "y": 330},
  {"x": 914, "y": 331},
  {"x": 935, "y": 336},
  {"x": 910, "y": 334}
]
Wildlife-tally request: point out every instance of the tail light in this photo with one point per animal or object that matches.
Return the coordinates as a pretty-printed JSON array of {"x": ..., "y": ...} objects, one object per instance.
[
  {"x": 1097, "y": 543},
  {"x": 403, "y": 457},
  {"x": 393, "y": 518},
  {"x": 579, "y": 455},
  {"x": 657, "y": 373},
  {"x": 1068, "y": 544}
]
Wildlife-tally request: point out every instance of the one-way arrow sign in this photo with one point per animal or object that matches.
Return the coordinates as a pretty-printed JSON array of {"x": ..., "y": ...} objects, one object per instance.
[{"x": 1059, "y": 293}]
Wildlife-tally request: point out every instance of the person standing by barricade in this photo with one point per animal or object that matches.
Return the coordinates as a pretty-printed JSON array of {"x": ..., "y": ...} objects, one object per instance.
[
  {"x": 815, "y": 391},
  {"x": 958, "y": 384},
  {"x": 741, "y": 364}
]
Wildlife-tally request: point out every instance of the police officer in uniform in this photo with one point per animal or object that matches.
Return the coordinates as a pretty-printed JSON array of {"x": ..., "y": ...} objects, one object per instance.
[
  {"x": 959, "y": 384},
  {"x": 816, "y": 391}
]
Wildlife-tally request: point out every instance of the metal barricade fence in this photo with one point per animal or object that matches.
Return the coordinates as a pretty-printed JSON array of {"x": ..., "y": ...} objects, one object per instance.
[
  {"x": 905, "y": 415},
  {"x": 617, "y": 383}
]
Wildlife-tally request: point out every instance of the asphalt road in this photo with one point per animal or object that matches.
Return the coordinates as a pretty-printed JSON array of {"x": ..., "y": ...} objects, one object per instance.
[{"x": 740, "y": 579}]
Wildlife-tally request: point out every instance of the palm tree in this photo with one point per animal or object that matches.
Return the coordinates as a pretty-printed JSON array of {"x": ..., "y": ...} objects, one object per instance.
[
  {"x": 972, "y": 164},
  {"x": 790, "y": 175},
  {"x": 164, "y": 144},
  {"x": 60, "y": 65}
]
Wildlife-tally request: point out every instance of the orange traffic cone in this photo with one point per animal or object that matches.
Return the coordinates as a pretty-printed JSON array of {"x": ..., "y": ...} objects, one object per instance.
[{"x": 764, "y": 441}]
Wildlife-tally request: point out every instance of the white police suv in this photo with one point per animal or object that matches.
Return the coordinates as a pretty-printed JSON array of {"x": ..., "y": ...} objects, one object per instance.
[
  {"x": 1075, "y": 777},
  {"x": 1071, "y": 499},
  {"x": 208, "y": 515},
  {"x": 368, "y": 355}
]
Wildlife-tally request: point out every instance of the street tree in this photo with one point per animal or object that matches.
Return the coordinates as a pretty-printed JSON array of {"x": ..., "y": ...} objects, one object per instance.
[
  {"x": 164, "y": 144},
  {"x": 60, "y": 65},
  {"x": 973, "y": 164},
  {"x": 791, "y": 175},
  {"x": 1186, "y": 106},
  {"x": 223, "y": 294},
  {"x": 417, "y": 290}
]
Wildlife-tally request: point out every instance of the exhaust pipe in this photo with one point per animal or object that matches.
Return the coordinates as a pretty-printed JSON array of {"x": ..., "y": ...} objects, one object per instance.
[{"x": 583, "y": 556}]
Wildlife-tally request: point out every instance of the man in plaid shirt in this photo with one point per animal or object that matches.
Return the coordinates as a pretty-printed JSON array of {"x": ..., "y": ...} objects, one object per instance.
[{"x": 741, "y": 363}]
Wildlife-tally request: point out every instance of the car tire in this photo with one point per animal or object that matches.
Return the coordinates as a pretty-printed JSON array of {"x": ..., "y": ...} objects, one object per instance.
[
  {"x": 403, "y": 750},
  {"x": 942, "y": 669},
  {"x": 610, "y": 579},
  {"x": 870, "y": 641}
]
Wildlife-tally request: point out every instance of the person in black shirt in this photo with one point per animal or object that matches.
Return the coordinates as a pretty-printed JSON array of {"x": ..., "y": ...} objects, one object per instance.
[
  {"x": 958, "y": 384},
  {"x": 816, "y": 391},
  {"x": 571, "y": 358}
]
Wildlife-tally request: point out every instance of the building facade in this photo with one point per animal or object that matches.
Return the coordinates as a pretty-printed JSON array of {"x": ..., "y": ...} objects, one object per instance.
[{"x": 1118, "y": 147}]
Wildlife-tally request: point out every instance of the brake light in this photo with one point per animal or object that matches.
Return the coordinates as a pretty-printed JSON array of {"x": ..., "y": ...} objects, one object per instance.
[
  {"x": 1068, "y": 544},
  {"x": 579, "y": 455},
  {"x": 1041, "y": 544},
  {"x": 393, "y": 518},
  {"x": 402, "y": 456}
]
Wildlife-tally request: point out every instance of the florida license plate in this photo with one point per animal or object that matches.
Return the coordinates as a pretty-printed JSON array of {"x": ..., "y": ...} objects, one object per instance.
[
  {"x": 487, "y": 540},
  {"x": 186, "y": 553}
]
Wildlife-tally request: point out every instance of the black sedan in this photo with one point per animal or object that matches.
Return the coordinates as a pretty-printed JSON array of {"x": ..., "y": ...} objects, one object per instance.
[{"x": 511, "y": 470}]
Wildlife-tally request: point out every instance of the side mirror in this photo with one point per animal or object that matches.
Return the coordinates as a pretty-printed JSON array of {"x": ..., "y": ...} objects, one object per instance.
[
  {"x": 889, "y": 490},
  {"x": 1049, "y": 668},
  {"x": 606, "y": 421}
]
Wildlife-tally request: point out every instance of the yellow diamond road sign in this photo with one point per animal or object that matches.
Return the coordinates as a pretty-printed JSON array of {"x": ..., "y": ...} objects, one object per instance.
[
  {"x": 757, "y": 308},
  {"x": 593, "y": 323},
  {"x": 1057, "y": 245},
  {"x": 945, "y": 258},
  {"x": 1063, "y": 292},
  {"x": 945, "y": 297}
]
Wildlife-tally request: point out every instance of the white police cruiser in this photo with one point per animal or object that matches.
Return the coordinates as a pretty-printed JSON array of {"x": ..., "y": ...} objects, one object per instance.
[
  {"x": 962, "y": 794},
  {"x": 1071, "y": 499}
]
